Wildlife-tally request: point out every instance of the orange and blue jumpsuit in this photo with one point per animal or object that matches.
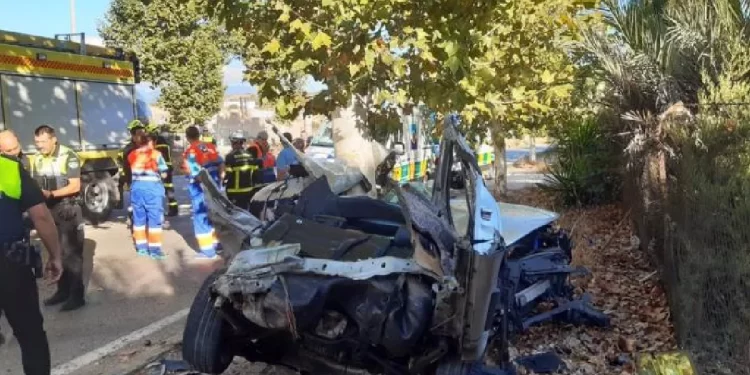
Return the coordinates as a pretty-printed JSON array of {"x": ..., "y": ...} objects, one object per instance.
[
  {"x": 147, "y": 199},
  {"x": 199, "y": 156}
]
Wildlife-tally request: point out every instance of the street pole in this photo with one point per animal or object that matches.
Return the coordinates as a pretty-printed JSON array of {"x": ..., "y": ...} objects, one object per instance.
[{"x": 72, "y": 16}]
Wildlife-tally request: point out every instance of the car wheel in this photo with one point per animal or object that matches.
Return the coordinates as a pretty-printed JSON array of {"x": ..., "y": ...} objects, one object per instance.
[
  {"x": 98, "y": 193},
  {"x": 203, "y": 339}
]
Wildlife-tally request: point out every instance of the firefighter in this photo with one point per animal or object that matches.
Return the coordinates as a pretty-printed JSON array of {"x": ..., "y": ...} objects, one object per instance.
[
  {"x": 124, "y": 170},
  {"x": 241, "y": 176},
  {"x": 125, "y": 177},
  {"x": 199, "y": 156},
  {"x": 57, "y": 170},
  {"x": 161, "y": 145},
  {"x": 262, "y": 150},
  {"x": 147, "y": 167}
]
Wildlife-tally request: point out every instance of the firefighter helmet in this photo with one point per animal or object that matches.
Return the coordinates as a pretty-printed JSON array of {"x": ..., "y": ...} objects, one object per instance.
[
  {"x": 237, "y": 136},
  {"x": 135, "y": 124}
]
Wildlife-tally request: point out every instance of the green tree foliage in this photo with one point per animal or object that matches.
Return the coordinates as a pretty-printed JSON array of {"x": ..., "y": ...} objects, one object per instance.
[
  {"x": 181, "y": 51},
  {"x": 489, "y": 60},
  {"x": 500, "y": 64}
]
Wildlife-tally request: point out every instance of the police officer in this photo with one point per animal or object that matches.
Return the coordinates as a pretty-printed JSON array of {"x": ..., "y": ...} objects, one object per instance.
[
  {"x": 57, "y": 170},
  {"x": 123, "y": 157},
  {"x": 241, "y": 176},
  {"x": 161, "y": 145},
  {"x": 19, "y": 263},
  {"x": 197, "y": 157},
  {"x": 147, "y": 168},
  {"x": 207, "y": 137}
]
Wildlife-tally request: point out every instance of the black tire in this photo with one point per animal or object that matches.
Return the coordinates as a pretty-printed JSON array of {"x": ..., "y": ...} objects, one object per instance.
[
  {"x": 98, "y": 196},
  {"x": 202, "y": 341}
]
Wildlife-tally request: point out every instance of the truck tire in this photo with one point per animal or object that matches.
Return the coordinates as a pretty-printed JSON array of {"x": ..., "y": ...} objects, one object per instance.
[
  {"x": 202, "y": 341},
  {"x": 98, "y": 195}
]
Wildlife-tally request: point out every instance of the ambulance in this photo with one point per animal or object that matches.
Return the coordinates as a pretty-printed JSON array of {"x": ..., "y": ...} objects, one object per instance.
[{"x": 86, "y": 92}]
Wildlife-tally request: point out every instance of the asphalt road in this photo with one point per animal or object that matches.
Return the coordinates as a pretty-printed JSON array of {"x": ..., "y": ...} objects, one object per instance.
[{"x": 125, "y": 293}]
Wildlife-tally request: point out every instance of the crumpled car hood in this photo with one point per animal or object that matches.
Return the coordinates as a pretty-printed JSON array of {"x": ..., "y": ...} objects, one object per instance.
[{"x": 516, "y": 220}]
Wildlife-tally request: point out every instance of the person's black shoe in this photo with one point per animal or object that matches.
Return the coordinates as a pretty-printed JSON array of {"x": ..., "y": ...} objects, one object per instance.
[
  {"x": 56, "y": 299},
  {"x": 73, "y": 304}
]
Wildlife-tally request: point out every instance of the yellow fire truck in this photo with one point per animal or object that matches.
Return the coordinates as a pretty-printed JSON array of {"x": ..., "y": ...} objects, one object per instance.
[{"x": 87, "y": 93}]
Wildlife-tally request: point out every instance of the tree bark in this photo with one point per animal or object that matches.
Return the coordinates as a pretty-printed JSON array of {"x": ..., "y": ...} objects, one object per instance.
[
  {"x": 499, "y": 165},
  {"x": 532, "y": 148}
]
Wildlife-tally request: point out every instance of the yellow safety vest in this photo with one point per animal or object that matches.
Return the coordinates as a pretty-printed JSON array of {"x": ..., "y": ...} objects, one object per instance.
[
  {"x": 10, "y": 178},
  {"x": 52, "y": 167}
]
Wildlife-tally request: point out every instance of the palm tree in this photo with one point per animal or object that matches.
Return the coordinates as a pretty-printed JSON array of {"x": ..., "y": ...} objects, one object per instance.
[{"x": 654, "y": 53}]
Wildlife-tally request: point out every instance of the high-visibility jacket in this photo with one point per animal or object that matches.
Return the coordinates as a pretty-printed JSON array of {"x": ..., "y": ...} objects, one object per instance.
[
  {"x": 241, "y": 168},
  {"x": 54, "y": 171},
  {"x": 11, "y": 190},
  {"x": 269, "y": 161},
  {"x": 146, "y": 164},
  {"x": 199, "y": 156},
  {"x": 208, "y": 139}
]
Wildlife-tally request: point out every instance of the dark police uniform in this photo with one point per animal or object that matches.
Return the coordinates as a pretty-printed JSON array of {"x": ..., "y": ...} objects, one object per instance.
[
  {"x": 241, "y": 177},
  {"x": 162, "y": 146},
  {"x": 19, "y": 297},
  {"x": 53, "y": 172},
  {"x": 125, "y": 173}
]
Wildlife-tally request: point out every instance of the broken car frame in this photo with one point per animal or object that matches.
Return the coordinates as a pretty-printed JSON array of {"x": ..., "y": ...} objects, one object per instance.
[{"x": 376, "y": 288}]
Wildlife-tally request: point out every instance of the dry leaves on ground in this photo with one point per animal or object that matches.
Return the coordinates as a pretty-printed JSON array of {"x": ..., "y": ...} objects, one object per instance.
[{"x": 623, "y": 284}]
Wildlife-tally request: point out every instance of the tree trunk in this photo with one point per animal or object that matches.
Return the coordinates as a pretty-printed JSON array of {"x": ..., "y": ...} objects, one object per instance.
[
  {"x": 532, "y": 148},
  {"x": 499, "y": 165}
]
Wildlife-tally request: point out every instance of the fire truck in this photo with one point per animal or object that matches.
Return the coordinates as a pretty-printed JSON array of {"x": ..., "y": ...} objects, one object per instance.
[{"x": 86, "y": 92}]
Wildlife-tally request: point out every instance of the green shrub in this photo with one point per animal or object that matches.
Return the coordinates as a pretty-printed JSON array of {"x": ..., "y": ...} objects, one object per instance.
[{"x": 585, "y": 170}]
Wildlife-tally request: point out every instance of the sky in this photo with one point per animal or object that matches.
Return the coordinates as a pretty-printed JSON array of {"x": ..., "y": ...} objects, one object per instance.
[{"x": 50, "y": 17}]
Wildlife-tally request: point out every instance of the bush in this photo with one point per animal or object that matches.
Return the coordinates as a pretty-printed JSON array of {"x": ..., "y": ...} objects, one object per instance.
[{"x": 584, "y": 172}]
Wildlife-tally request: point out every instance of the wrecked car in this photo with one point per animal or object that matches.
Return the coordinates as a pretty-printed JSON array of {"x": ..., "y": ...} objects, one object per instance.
[{"x": 336, "y": 284}]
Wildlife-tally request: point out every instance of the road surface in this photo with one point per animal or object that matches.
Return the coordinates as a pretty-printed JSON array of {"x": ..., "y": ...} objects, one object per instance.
[{"x": 125, "y": 293}]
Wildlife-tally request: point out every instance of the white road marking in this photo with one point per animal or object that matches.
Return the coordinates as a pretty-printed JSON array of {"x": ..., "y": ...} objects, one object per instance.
[{"x": 95, "y": 355}]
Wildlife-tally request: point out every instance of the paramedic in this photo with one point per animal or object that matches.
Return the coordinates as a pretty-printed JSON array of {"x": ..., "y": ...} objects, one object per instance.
[
  {"x": 147, "y": 195},
  {"x": 199, "y": 156}
]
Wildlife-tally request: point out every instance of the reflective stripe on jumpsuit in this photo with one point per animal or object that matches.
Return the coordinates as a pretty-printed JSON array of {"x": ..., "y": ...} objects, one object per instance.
[
  {"x": 147, "y": 199},
  {"x": 200, "y": 156}
]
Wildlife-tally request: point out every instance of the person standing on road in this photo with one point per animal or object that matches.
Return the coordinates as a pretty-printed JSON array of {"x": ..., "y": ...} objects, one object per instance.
[
  {"x": 262, "y": 150},
  {"x": 147, "y": 196},
  {"x": 199, "y": 156},
  {"x": 57, "y": 170},
  {"x": 161, "y": 145},
  {"x": 125, "y": 174},
  {"x": 19, "y": 294},
  {"x": 241, "y": 176},
  {"x": 287, "y": 158}
]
